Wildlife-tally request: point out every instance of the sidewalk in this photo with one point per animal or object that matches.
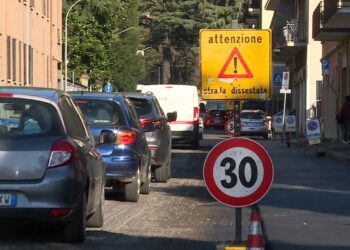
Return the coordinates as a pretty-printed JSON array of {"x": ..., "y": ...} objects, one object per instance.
[{"x": 336, "y": 150}]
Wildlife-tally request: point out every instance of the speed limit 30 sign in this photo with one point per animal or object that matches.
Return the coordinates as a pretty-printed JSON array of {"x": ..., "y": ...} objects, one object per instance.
[{"x": 238, "y": 172}]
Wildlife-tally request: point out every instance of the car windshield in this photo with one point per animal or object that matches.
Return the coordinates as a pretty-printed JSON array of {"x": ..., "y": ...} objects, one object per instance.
[
  {"x": 101, "y": 112},
  {"x": 22, "y": 118},
  {"x": 252, "y": 115}
]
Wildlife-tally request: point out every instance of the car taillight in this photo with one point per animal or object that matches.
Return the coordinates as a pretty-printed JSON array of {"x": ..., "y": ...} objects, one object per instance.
[
  {"x": 60, "y": 212},
  {"x": 146, "y": 122},
  {"x": 6, "y": 95},
  {"x": 195, "y": 113},
  {"x": 126, "y": 137},
  {"x": 62, "y": 152}
]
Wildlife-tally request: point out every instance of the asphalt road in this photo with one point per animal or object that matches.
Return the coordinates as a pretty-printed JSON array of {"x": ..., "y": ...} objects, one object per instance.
[{"x": 308, "y": 207}]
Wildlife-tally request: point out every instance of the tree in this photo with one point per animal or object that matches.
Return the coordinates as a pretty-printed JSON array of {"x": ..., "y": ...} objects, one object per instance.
[
  {"x": 95, "y": 46},
  {"x": 174, "y": 27}
]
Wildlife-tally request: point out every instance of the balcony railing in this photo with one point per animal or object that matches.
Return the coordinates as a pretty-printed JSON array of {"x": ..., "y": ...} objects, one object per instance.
[{"x": 289, "y": 32}]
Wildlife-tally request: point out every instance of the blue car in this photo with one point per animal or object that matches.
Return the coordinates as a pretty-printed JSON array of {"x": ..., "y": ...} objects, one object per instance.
[{"x": 128, "y": 157}]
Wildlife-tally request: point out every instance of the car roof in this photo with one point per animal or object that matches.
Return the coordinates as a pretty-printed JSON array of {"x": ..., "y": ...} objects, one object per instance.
[
  {"x": 147, "y": 95},
  {"x": 96, "y": 95},
  {"x": 45, "y": 93}
]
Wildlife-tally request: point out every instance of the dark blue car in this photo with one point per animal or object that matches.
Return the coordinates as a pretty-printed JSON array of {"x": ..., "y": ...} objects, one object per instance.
[{"x": 128, "y": 158}]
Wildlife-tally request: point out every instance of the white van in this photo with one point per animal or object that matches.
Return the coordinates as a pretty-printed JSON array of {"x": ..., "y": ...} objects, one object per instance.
[{"x": 182, "y": 99}]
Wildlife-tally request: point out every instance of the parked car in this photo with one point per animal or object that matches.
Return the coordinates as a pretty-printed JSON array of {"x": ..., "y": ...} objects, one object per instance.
[
  {"x": 216, "y": 118},
  {"x": 156, "y": 127},
  {"x": 50, "y": 169},
  {"x": 182, "y": 99},
  {"x": 127, "y": 157},
  {"x": 254, "y": 122}
]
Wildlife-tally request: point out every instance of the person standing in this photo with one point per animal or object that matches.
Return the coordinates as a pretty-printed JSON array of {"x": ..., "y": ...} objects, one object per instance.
[{"x": 345, "y": 115}]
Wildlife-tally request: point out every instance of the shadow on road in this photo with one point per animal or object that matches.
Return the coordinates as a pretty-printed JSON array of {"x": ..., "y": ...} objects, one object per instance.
[{"x": 27, "y": 235}]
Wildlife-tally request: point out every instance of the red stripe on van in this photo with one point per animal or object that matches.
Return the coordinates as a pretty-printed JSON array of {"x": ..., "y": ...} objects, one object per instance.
[
  {"x": 185, "y": 122},
  {"x": 182, "y": 122}
]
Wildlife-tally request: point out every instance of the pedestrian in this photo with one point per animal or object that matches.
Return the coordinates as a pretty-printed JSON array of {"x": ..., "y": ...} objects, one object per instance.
[
  {"x": 344, "y": 119},
  {"x": 312, "y": 114}
]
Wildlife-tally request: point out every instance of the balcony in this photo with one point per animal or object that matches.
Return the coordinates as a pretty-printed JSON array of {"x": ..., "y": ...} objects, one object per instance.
[
  {"x": 321, "y": 32},
  {"x": 336, "y": 13}
]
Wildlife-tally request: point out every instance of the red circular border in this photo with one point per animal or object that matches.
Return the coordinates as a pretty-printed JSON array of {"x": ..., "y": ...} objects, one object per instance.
[
  {"x": 238, "y": 201},
  {"x": 226, "y": 124}
]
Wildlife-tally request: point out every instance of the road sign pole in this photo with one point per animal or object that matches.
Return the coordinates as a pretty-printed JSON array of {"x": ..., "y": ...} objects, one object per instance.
[{"x": 238, "y": 222}]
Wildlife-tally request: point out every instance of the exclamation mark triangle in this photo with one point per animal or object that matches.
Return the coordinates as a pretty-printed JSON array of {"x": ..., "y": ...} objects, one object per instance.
[{"x": 235, "y": 57}]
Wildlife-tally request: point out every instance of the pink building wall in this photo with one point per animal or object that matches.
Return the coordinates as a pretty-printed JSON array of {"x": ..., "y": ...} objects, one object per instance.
[{"x": 30, "y": 42}]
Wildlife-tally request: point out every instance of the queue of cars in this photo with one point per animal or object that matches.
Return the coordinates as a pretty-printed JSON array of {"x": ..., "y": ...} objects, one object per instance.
[{"x": 60, "y": 150}]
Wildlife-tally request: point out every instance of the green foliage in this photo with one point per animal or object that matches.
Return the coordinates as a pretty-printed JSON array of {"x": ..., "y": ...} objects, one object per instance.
[
  {"x": 105, "y": 38},
  {"x": 99, "y": 45},
  {"x": 176, "y": 24}
]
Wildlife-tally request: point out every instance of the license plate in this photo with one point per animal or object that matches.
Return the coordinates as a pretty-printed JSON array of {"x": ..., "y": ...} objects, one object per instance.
[{"x": 8, "y": 200}]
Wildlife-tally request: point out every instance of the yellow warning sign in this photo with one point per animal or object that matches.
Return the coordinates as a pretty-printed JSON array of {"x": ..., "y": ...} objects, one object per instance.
[{"x": 235, "y": 64}]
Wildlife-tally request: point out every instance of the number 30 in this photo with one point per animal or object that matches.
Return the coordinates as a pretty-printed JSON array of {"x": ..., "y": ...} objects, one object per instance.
[{"x": 241, "y": 172}]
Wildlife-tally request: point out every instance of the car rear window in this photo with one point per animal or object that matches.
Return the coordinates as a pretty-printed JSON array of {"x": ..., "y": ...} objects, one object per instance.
[
  {"x": 252, "y": 115},
  {"x": 143, "y": 107},
  {"x": 220, "y": 112},
  {"x": 24, "y": 118},
  {"x": 101, "y": 112}
]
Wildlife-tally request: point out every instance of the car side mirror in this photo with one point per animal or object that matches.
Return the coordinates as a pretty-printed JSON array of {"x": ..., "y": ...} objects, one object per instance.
[
  {"x": 171, "y": 116},
  {"x": 107, "y": 136}
]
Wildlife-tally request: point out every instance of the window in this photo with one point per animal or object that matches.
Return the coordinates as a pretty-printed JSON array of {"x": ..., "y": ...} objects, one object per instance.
[
  {"x": 30, "y": 65},
  {"x": 25, "y": 64},
  {"x": 24, "y": 118},
  {"x": 20, "y": 61},
  {"x": 8, "y": 56},
  {"x": 74, "y": 124},
  {"x": 14, "y": 78},
  {"x": 101, "y": 113}
]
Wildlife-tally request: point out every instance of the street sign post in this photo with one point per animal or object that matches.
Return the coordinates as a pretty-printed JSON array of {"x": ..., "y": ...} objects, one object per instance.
[
  {"x": 238, "y": 172},
  {"x": 235, "y": 64}
]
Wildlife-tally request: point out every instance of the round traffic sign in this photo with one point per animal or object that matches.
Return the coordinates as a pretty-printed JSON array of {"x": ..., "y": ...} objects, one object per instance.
[
  {"x": 108, "y": 88},
  {"x": 230, "y": 127},
  {"x": 312, "y": 126},
  {"x": 238, "y": 172}
]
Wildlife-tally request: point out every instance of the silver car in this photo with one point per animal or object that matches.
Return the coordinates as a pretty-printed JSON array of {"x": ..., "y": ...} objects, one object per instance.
[
  {"x": 254, "y": 122},
  {"x": 50, "y": 169}
]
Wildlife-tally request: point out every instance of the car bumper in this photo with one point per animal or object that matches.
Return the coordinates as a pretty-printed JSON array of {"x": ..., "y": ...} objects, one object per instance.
[
  {"x": 59, "y": 188},
  {"x": 121, "y": 168}
]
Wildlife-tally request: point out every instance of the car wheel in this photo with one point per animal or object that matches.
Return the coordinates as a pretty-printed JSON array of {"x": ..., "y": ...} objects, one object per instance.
[
  {"x": 96, "y": 220},
  {"x": 161, "y": 173},
  {"x": 146, "y": 185},
  {"x": 132, "y": 189},
  {"x": 74, "y": 231}
]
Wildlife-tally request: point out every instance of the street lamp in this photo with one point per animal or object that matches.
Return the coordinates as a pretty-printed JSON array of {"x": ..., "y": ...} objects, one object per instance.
[{"x": 66, "y": 44}]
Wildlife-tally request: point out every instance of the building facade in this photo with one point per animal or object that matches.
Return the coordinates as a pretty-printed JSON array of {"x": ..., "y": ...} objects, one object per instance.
[
  {"x": 331, "y": 26},
  {"x": 294, "y": 47},
  {"x": 31, "y": 43}
]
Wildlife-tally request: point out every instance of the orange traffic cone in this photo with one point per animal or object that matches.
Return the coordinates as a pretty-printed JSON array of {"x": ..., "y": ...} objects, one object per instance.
[{"x": 255, "y": 239}]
